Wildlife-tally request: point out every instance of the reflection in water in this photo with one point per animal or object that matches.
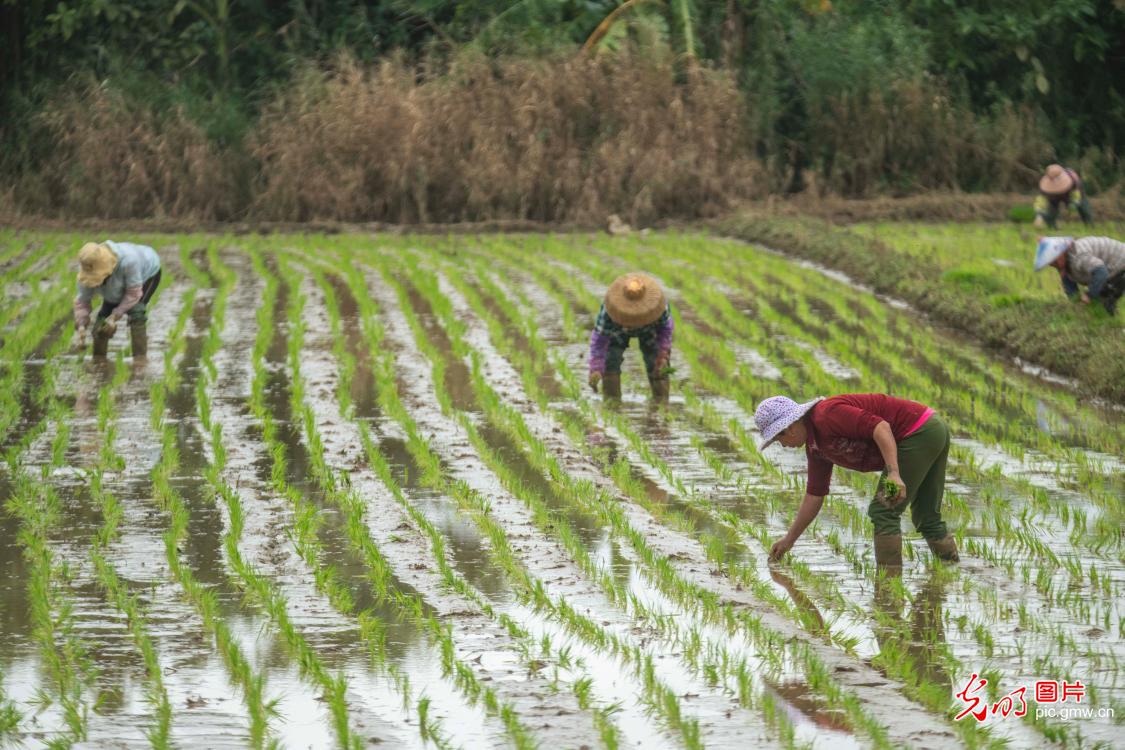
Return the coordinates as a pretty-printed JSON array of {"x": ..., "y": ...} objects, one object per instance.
[
  {"x": 916, "y": 636},
  {"x": 805, "y": 606}
]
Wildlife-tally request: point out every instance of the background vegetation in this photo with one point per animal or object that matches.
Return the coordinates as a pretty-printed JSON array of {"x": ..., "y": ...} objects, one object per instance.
[{"x": 481, "y": 109}]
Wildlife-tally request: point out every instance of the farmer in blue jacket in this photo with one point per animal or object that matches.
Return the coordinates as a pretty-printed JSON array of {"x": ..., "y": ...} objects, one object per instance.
[{"x": 126, "y": 276}]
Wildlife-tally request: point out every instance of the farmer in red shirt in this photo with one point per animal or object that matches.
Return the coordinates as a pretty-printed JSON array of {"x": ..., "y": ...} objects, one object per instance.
[{"x": 868, "y": 432}]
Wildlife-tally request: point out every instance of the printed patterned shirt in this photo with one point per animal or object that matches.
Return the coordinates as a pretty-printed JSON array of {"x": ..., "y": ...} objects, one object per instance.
[{"x": 607, "y": 331}]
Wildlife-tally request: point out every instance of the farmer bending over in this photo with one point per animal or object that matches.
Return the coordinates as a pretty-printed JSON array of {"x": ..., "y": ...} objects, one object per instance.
[
  {"x": 634, "y": 307},
  {"x": 125, "y": 275},
  {"x": 868, "y": 432},
  {"x": 1097, "y": 262},
  {"x": 1060, "y": 187}
]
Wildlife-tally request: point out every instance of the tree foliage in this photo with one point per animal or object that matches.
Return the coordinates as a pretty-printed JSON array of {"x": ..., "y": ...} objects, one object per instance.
[{"x": 1059, "y": 63}]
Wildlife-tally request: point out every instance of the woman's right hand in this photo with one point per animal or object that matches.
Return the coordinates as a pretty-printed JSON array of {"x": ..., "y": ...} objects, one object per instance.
[{"x": 780, "y": 547}]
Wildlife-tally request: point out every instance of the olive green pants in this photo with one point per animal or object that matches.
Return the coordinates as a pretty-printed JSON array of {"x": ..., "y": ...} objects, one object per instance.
[{"x": 921, "y": 462}]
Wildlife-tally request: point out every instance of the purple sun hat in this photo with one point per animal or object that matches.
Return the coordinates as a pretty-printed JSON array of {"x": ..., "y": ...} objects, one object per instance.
[{"x": 776, "y": 413}]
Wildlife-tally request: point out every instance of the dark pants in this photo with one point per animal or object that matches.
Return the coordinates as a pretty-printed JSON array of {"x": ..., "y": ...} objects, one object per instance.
[
  {"x": 618, "y": 343},
  {"x": 138, "y": 312},
  {"x": 1112, "y": 292},
  {"x": 1048, "y": 208}
]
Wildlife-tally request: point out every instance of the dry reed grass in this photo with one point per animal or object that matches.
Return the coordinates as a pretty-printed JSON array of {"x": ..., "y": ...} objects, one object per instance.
[
  {"x": 571, "y": 139},
  {"x": 114, "y": 158}
]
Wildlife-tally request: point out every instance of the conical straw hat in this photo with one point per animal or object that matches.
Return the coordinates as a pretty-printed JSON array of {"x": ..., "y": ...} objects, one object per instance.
[
  {"x": 96, "y": 262},
  {"x": 1057, "y": 181},
  {"x": 634, "y": 300}
]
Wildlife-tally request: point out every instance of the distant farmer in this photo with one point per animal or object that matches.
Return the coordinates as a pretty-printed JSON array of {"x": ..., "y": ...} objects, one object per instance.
[
  {"x": 1060, "y": 187},
  {"x": 125, "y": 275},
  {"x": 1097, "y": 262},
  {"x": 634, "y": 308},
  {"x": 868, "y": 432}
]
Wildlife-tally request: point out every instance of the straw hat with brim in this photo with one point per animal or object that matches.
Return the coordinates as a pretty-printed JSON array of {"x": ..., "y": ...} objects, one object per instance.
[
  {"x": 778, "y": 412},
  {"x": 1057, "y": 181},
  {"x": 96, "y": 262},
  {"x": 1050, "y": 248},
  {"x": 634, "y": 300}
]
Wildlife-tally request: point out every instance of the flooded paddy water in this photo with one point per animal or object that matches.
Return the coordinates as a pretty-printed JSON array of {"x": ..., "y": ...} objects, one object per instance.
[{"x": 359, "y": 494}]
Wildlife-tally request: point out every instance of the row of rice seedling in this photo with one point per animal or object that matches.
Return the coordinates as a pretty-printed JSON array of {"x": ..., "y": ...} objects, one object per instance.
[
  {"x": 116, "y": 590},
  {"x": 22, "y": 271},
  {"x": 266, "y": 593},
  {"x": 309, "y": 587},
  {"x": 379, "y": 574},
  {"x": 37, "y": 334},
  {"x": 509, "y": 420},
  {"x": 202, "y": 597},
  {"x": 67, "y": 694},
  {"x": 37, "y": 506}
]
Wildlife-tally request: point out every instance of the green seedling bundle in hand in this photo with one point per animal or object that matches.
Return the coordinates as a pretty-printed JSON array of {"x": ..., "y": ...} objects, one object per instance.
[{"x": 887, "y": 492}]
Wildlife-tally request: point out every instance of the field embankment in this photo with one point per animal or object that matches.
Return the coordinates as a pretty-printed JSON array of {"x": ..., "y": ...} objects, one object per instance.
[{"x": 976, "y": 278}]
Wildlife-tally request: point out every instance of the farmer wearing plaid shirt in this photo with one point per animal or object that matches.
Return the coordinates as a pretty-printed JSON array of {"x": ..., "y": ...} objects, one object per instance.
[{"x": 634, "y": 307}]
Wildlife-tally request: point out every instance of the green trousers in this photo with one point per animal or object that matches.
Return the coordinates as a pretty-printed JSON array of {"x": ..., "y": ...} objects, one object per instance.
[{"x": 921, "y": 462}]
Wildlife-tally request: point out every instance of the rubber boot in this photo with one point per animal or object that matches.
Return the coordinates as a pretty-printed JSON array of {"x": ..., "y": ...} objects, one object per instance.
[
  {"x": 101, "y": 341},
  {"x": 661, "y": 388},
  {"x": 945, "y": 548},
  {"x": 611, "y": 385},
  {"x": 888, "y": 551},
  {"x": 138, "y": 335}
]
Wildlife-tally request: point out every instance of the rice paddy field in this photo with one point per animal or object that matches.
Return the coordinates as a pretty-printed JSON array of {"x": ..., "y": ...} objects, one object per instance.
[{"x": 359, "y": 495}]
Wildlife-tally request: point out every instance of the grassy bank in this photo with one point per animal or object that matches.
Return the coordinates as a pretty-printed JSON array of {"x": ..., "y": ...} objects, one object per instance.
[{"x": 975, "y": 278}]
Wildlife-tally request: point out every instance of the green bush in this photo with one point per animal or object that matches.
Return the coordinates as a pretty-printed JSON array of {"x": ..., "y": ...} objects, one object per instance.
[{"x": 972, "y": 282}]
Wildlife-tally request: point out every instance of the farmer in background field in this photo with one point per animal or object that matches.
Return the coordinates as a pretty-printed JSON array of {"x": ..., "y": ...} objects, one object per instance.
[
  {"x": 1060, "y": 187},
  {"x": 634, "y": 307},
  {"x": 868, "y": 432},
  {"x": 125, "y": 275},
  {"x": 1097, "y": 262}
]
